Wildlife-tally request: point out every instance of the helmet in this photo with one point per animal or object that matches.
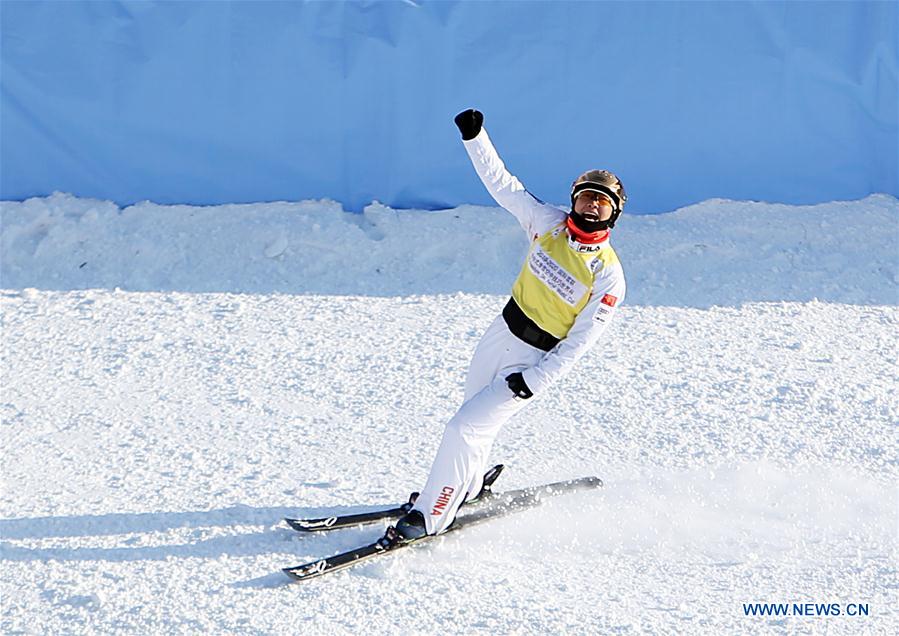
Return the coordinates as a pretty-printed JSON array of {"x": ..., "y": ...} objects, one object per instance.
[{"x": 605, "y": 182}]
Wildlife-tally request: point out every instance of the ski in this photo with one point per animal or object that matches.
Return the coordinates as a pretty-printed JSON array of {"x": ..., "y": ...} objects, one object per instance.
[
  {"x": 346, "y": 521},
  {"x": 496, "y": 506},
  {"x": 372, "y": 516}
]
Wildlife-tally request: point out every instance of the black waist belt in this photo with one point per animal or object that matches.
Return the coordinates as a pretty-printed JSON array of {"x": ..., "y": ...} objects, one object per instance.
[{"x": 526, "y": 329}]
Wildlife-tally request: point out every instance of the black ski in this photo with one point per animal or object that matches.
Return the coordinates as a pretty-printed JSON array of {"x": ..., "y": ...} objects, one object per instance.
[
  {"x": 496, "y": 506},
  {"x": 346, "y": 521}
]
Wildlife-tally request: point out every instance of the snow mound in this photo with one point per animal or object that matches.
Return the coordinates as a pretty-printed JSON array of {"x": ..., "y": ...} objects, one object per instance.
[{"x": 714, "y": 253}]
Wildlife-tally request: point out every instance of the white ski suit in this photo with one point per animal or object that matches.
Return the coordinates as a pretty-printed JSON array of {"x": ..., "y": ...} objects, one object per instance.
[{"x": 567, "y": 290}]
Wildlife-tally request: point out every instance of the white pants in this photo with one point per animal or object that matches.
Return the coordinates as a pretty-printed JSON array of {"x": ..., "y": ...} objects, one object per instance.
[{"x": 462, "y": 457}]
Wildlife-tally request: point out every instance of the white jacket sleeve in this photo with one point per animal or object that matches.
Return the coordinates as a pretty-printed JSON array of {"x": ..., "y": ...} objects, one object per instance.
[
  {"x": 607, "y": 296},
  {"x": 534, "y": 216}
]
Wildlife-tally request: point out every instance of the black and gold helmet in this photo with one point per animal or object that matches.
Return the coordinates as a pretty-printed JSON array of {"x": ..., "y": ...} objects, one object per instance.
[{"x": 604, "y": 182}]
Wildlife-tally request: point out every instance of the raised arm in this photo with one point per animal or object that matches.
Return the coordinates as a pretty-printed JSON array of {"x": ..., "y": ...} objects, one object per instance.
[{"x": 534, "y": 216}]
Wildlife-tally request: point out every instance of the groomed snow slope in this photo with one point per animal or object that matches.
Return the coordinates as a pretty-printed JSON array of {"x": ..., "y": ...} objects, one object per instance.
[{"x": 177, "y": 379}]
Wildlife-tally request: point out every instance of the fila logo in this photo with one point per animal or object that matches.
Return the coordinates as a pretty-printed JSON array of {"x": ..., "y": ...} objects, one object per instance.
[
  {"x": 443, "y": 500},
  {"x": 609, "y": 300}
]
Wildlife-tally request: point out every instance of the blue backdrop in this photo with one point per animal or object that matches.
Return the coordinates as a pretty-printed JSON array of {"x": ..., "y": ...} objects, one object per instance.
[{"x": 211, "y": 102}]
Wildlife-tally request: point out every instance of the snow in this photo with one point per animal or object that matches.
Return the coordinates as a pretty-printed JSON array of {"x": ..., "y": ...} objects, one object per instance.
[{"x": 177, "y": 379}]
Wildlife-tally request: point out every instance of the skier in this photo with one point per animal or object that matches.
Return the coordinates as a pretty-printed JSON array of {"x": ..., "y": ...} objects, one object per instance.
[{"x": 567, "y": 291}]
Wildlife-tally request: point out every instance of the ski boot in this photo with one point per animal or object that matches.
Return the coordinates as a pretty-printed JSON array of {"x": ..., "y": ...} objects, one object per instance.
[
  {"x": 410, "y": 527},
  {"x": 486, "y": 489}
]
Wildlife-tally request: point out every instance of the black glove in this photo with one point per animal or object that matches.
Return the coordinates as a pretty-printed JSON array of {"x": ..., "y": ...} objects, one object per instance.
[
  {"x": 519, "y": 386},
  {"x": 469, "y": 123}
]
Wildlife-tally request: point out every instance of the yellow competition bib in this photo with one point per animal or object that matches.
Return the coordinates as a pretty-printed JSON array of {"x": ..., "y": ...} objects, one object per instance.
[{"x": 556, "y": 281}]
